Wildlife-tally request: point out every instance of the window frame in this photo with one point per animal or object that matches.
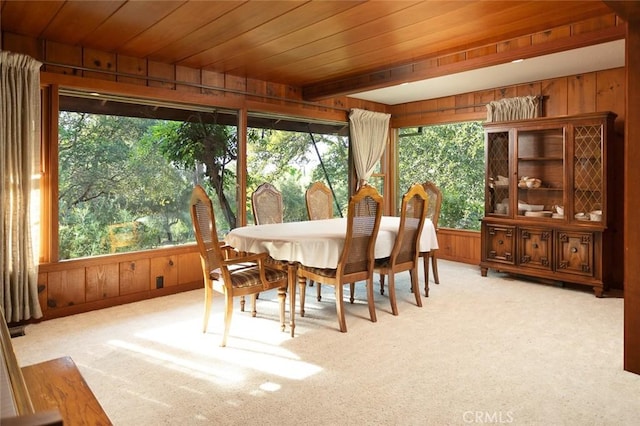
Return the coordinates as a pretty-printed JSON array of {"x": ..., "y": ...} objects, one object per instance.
[{"x": 51, "y": 85}]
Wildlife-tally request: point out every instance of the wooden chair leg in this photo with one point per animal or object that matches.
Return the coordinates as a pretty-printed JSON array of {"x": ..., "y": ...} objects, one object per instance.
[
  {"x": 352, "y": 292},
  {"x": 342, "y": 323},
  {"x": 392, "y": 294},
  {"x": 282, "y": 298},
  {"x": 208, "y": 298},
  {"x": 302, "y": 283},
  {"x": 382, "y": 284},
  {"x": 370, "y": 301},
  {"x": 434, "y": 265},
  {"x": 228, "y": 312},
  {"x": 242, "y": 302},
  {"x": 425, "y": 259},
  {"x": 414, "y": 285},
  {"x": 254, "y": 311},
  {"x": 319, "y": 292}
]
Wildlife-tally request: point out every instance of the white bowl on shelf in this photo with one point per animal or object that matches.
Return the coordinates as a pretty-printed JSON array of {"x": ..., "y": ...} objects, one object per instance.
[{"x": 595, "y": 216}]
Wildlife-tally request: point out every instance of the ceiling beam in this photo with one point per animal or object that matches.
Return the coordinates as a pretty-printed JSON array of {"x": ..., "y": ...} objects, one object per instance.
[{"x": 430, "y": 68}]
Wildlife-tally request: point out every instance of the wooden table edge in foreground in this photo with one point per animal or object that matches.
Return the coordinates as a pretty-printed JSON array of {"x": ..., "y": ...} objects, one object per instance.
[{"x": 58, "y": 384}]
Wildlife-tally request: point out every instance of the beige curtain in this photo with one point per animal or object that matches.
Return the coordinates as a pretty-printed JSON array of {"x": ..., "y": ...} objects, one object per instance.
[
  {"x": 19, "y": 173},
  {"x": 369, "y": 133},
  {"x": 520, "y": 108}
]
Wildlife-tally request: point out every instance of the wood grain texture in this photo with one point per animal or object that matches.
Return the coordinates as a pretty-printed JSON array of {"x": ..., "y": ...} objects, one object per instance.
[
  {"x": 58, "y": 384},
  {"x": 632, "y": 192},
  {"x": 300, "y": 43}
]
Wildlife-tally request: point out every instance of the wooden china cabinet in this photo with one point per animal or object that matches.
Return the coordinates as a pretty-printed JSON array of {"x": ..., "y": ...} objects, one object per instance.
[{"x": 552, "y": 206}]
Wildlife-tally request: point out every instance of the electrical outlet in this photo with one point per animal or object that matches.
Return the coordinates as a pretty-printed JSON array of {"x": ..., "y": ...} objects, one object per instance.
[{"x": 159, "y": 282}]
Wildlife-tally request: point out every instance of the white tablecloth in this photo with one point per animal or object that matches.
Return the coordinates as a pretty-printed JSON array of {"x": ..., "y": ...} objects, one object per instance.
[{"x": 318, "y": 243}]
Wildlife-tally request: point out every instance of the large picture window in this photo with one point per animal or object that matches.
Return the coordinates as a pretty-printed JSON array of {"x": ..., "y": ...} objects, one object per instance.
[
  {"x": 291, "y": 154},
  {"x": 126, "y": 171},
  {"x": 451, "y": 156}
]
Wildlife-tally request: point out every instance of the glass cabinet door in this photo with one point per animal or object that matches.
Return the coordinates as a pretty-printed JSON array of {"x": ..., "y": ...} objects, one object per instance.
[
  {"x": 540, "y": 170},
  {"x": 497, "y": 194},
  {"x": 587, "y": 173}
]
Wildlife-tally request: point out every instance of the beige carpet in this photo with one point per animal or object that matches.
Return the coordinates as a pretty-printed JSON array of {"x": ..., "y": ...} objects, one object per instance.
[{"x": 481, "y": 350}]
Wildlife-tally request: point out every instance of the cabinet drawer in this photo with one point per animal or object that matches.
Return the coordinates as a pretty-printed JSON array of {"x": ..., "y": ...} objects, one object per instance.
[
  {"x": 500, "y": 243},
  {"x": 535, "y": 248},
  {"x": 575, "y": 252}
]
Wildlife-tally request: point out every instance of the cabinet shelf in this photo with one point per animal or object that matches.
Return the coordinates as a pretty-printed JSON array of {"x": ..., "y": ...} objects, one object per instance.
[
  {"x": 540, "y": 159},
  {"x": 541, "y": 189}
]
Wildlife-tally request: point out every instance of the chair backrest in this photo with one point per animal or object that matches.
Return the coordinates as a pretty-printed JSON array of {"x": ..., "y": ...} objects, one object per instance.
[
  {"x": 412, "y": 214},
  {"x": 319, "y": 201},
  {"x": 204, "y": 226},
  {"x": 435, "y": 201},
  {"x": 363, "y": 222},
  {"x": 266, "y": 203}
]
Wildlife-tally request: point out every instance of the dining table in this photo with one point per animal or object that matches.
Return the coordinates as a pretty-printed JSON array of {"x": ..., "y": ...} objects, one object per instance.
[{"x": 316, "y": 243}]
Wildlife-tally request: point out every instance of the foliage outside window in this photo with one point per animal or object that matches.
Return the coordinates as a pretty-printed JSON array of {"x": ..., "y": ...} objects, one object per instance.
[
  {"x": 292, "y": 160},
  {"x": 127, "y": 169},
  {"x": 451, "y": 156},
  {"x": 125, "y": 176}
]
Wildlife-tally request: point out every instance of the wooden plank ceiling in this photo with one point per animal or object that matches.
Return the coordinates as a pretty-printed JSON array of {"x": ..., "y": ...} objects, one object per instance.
[{"x": 309, "y": 44}]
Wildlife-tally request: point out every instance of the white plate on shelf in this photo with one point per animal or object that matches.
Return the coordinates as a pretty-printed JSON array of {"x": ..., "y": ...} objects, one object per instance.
[
  {"x": 541, "y": 213},
  {"x": 582, "y": 216},
  {"x": 530, "y": 207}
]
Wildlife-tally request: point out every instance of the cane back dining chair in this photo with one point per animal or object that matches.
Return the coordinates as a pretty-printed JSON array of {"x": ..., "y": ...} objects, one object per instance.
[
  {"x": 319, "y": 201},
  {"x": 357, "y": 256},
  {"x": 433, "y": 213},
  {"x": 226, "y": 271},
  {"x": 266, "y": 203},
  {"x": 405, "y": 253}
]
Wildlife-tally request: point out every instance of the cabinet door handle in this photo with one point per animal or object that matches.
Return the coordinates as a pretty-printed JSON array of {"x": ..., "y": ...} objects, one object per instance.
[
  {"x": 535, "y": 246},
  {"x": 574, "y": 249},
  {"x": 500, "y": 242}
]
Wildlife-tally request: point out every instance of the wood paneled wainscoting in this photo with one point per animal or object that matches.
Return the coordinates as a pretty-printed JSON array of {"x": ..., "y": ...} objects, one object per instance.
[
  {"x": 80, "y": 285},
  {"x": 459, "y": 245}
]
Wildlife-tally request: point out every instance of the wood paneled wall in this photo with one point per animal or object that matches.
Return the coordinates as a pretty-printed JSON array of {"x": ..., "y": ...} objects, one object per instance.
[
  {"x": 576, "y": 94},
  {"x": 81, "y": 285},
  {"x": 459, "y": 245}
]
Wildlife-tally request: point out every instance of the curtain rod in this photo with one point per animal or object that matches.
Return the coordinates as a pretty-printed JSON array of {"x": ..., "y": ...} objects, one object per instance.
[{"x": 191, "y": 84}]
